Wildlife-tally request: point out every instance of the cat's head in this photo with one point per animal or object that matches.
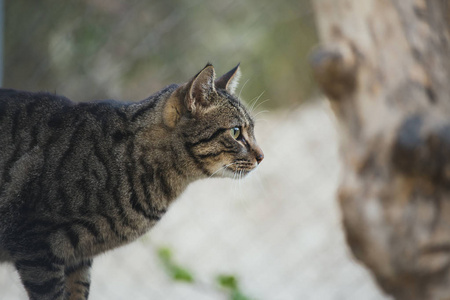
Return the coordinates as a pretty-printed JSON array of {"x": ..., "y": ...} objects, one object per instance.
[{"x": 216, "y": 128}]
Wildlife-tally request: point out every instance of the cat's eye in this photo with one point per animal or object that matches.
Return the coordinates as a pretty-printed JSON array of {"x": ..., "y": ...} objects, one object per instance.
[{"x": 235, "y": 132}]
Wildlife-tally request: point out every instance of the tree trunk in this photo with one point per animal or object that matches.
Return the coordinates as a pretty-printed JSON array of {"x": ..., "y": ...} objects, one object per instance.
[{"x": 385, "y": 67}]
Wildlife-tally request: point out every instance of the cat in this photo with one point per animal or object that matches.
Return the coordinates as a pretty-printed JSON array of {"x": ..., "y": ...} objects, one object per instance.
[{"x": 78, "y": 179}]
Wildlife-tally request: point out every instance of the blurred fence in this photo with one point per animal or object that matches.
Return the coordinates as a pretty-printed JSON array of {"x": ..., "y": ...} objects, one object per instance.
[{"x": 277, "y": 231}]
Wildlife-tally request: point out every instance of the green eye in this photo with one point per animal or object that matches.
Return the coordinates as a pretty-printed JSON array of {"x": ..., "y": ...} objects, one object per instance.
[{"x": 235, "y": 132}]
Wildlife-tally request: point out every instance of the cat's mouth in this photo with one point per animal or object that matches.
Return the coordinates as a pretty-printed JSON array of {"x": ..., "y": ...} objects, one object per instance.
[
  {"x": 239, "y": 169},
  {"x": 238, "y": 172}
]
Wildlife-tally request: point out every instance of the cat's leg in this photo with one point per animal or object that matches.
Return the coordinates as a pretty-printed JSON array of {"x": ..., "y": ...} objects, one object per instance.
[
  {"x": 78, "y": 280},
  {"x": 42, "y": 279}
]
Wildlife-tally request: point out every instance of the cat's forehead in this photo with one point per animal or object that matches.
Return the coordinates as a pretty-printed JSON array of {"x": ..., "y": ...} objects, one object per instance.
[{"x": 235, "y": 109}]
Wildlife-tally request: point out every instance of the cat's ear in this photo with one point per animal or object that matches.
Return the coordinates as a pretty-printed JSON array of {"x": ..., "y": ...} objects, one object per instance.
[
  {"x": 200, "y": 89},
  {"x": 230, "y": 80},
  {"x": 190, "y": 97},
  {"x": 174, "y": 109}
]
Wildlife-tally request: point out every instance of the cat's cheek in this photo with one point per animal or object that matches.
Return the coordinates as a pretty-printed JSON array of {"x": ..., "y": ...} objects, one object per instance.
[{"x": 219, "y": 168}]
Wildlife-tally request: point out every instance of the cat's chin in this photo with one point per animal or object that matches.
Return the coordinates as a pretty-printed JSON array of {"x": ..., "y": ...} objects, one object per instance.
[{"x": 233, "y": 174}]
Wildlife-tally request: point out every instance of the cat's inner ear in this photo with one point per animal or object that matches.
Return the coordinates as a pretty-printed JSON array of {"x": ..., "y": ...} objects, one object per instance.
[
  {"x": 200, "y": 89},
  {"x": 230, "y": 80}
]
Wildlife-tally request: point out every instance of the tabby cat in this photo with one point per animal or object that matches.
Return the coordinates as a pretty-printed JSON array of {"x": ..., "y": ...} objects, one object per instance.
[{"x": 78, "y": 179}]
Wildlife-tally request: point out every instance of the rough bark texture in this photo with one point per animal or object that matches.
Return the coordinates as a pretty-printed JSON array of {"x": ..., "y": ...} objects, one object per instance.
[{"x": 385, "y": 66}]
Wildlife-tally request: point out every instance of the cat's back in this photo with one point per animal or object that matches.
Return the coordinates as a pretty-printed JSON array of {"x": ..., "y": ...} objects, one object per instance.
[
  {"x": 21, "y": 109},
  {"x": 14, "y": 95},
  {"x": 22, "y": 113},
  {"x": 44, "y": 130},
  {"x": 24, "y": 118},
  {"x": 41, "y": 102}
]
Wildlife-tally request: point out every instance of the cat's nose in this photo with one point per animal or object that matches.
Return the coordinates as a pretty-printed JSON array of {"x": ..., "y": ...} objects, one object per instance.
[{"x": 259, "y": 155}]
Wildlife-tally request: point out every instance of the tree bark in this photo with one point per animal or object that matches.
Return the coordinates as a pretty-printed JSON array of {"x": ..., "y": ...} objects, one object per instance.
[{"x": 385, "y": 67}]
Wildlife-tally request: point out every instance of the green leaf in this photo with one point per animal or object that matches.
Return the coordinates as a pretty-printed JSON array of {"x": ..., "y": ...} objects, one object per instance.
[
  {"x": 175, "y": 271},
  {"x": 230, "y": 283},
  {"x": 237, "y": 295},
  {"x": 180, "y": 274},
  {"x": 165, "y": 254},
  {"x": 227, "y": 281}
]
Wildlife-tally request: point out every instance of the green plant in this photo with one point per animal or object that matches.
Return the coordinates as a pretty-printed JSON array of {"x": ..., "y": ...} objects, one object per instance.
[
  {"x": 226, "y": 282},
  {"x": 230, "y": 283},
  {"x": 176, "y": 272}
]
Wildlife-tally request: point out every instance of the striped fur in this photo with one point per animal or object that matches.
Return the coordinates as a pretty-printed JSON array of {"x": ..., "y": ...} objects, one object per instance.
[{"x": 78, "y": 179}]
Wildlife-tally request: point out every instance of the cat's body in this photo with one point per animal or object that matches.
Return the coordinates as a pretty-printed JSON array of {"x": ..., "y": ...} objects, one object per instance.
[{"x": 78, "y": 179}]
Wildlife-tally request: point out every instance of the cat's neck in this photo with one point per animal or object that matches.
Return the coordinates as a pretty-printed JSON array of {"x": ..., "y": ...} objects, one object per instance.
[
  {"x": 157, "y": 158},
  {"x": 164, "y": 163}
]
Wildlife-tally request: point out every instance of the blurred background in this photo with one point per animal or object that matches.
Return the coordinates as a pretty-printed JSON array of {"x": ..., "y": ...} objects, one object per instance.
[
  {"x": 128, "y": 49},
  {"x": 277, "y": 233}
]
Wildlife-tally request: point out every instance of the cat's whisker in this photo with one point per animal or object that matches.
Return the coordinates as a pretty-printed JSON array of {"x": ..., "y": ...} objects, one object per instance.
[
  {"x": 261, "y": 112},
  {"x": 239, "y": 183},
  {"x": 243, "y": 86},
  {"x": 259, "y": 104},
  {"x": 261, "y": 120},
  {"x": 242, "y": 185},
  {"x": 234, "y": 189},
  {"x": 240, "y": 179},
  {"x": 236, "y": 173},
  {"x": 223, "y": 168},
  {"x": 260, "y": 181},
  {"x": 254, "y": 101},
  {"x": 251, "y": 103}
]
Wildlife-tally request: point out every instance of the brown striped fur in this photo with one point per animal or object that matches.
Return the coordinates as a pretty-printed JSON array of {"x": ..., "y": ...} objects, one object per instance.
[{"x": 78, "y": 179}]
